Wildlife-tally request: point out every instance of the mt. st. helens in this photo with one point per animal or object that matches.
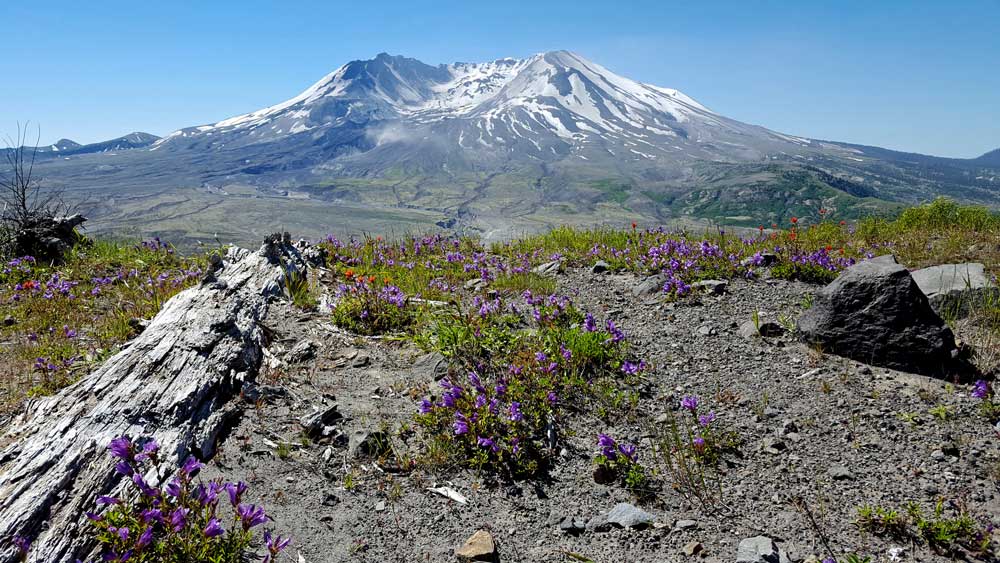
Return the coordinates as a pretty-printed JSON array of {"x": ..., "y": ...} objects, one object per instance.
[{"x": 499, "y": 147}]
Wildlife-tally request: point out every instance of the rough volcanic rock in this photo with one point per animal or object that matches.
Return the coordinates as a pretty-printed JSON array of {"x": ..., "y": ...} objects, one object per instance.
[{"x": 875, "y": 313}]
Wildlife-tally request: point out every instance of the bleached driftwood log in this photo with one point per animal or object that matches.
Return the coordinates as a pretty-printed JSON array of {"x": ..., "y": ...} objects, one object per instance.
[{"x": 173, "y": 382}]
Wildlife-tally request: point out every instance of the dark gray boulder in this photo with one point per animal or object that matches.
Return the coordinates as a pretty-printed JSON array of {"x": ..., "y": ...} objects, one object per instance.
[{"x": 875, "y": 313}]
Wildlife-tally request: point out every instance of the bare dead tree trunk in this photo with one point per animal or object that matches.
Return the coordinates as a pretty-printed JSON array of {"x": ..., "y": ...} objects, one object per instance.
[{"x": 175, "y": 382}]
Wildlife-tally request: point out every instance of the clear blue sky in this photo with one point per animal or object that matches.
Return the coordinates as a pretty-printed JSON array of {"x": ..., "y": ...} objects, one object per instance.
[{"x": 910, "y": 75}]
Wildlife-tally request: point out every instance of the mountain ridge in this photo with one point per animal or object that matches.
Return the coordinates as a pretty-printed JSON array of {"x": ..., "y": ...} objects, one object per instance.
[{"x": 502, "y": 147}]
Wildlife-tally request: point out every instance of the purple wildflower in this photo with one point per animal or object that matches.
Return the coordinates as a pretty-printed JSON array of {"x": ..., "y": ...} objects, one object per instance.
[
  {"x": 214, "y": 528},
  {"x": 706, "y": 419},
  {"x": 607, "y": 445},
  {"x": 275, "y": 545},
  {"x": 251, "y": 515},
  {"x": 145, "y": 538},
  {"x": 629, "y": 451},
  {"x": 461, "y": 424},
  {"x": 152, "y": 515},
  {"x": 174, "y": 488},
  {"x": 690, "y": 402},
  {"x": 235, "y": 491},
  {"x": 981, "y": 389},
  {"x": 486, "y": 443},
  {"x": 22, "y": 544},
  {"x": 191, "y": 466},
  {"x": 121, "y": 448},
  {"x": 425, "y": 406},
  {"x": 178, "y": 520}
]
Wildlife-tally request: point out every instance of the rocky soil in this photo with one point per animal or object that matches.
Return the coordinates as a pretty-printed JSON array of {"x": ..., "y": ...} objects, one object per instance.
[{"x": 820, "y": 436}]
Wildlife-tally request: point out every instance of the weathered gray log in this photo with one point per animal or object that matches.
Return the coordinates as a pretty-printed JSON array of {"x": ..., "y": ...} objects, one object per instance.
[{"x": 173, "y": 383}]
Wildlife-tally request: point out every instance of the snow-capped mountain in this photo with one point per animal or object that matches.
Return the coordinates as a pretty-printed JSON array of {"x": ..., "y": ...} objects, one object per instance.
[
  {"x": 501, "y": 147},
  {"x": 546, "y": 107}
]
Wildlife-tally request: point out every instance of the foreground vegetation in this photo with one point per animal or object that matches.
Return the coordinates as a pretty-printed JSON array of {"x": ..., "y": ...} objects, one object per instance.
[
  {"x": 523, "y": 357},
  {"x": 60, "y": 319}
]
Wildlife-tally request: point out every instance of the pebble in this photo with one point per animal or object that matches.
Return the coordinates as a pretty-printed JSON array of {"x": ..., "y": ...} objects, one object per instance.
[
  {"x": 838, "y": 472},
  {"x": 692, "y": 548},
  {"x": 628, "y": 516},
  {"x": 685, "y": 524},
  {"x": 479, "y": 547}
]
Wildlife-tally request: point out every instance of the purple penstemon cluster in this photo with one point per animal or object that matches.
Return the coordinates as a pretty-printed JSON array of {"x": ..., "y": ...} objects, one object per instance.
[
  {"x": 613, "y": 451},
  {"x": 499, "y": 410},
  {"x": 156, "y": 245},
  {"x": 633, "y": 368},
  {"x": 180, "y": 516},
  {"x": 23, "y": 265}
]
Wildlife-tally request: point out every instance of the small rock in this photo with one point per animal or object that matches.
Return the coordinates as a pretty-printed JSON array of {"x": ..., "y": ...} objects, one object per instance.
[
  {"x": 760, "y": 549},
  {"x": 716, "y": 287},
  {"x": 573, "y": 526},
  {"x": 692, "y": 548},
  {"x": 628, "y": 516},
  {"x": 330, "y": 499},
  {"x": 361, "y": 360},
  {"x": 761, "y": 329},
  {"x": 604, "y": 475},
  {"x": 268, "y": 393},
  {"x": 838, "y": 472},
  {"x": 368, "y": 444},
  {"x": 598, "y": 523},
  {"x": 320, "y": 422},
  {"x": 952, "y": 289},
  {"x": 938, "y": 455},
  {"x": 303, "y": 351},
  {"x": 548, "y": 269},
  {"x": 788, "y": 427},
  {"x": 475, "y": 284},
  {"x": 600, "y": 267},
  {"x": 380, "y": 506},
  {"x": 706, "y": 330},
  {"x": 774, "y": 446},
  {"x": 951, "y": 449},
  {"x": 435, "y": 363},
  {"x": 650, "y": 285},
  {"x": 685, "y": 525},
  {"x": 479, "y": 547}
]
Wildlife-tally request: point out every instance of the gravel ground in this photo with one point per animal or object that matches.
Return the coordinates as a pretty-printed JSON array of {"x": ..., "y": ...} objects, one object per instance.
[{"x": 820, "y": 435}]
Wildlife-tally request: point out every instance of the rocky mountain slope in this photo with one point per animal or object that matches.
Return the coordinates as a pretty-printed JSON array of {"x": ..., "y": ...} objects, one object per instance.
[{"x": 497, "y": 147}]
